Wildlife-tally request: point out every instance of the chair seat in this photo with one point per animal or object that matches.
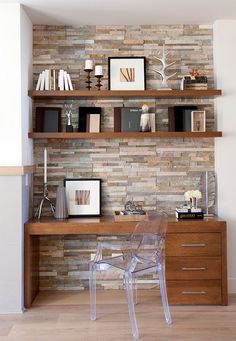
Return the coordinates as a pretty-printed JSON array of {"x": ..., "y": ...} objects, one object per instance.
[{"x": 123, "y": 262}]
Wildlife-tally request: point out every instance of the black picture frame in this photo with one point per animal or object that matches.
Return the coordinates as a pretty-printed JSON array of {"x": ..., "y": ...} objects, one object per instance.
[
  {"x": 83, "y": 197},
  {"x": 48, "y": 119},
  {"x": 127, "y": 73}
]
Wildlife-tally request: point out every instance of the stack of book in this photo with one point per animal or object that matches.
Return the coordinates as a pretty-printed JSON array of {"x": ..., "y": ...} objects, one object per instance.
[
  {"x": 199, "y": 83},
  {"x": 180, "y": 117},
  {"x": 51, "y": 79},
  {"x": 188, "y": 213}
]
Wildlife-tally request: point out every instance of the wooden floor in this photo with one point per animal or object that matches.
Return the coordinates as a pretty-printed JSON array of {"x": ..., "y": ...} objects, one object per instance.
[{"x": 65, "y": 317}]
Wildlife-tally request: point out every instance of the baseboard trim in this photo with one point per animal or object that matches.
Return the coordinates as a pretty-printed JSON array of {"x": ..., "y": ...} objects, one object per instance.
[{"x": 17, "y": 170}]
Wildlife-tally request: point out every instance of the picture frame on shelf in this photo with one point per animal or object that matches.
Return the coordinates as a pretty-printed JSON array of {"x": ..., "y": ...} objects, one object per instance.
[
  {"x": 83, "y": 197},
  {"x": 198, "y": 120},
  {"x": 126, "y": 73},
  {"x": 48, "y": 119}
]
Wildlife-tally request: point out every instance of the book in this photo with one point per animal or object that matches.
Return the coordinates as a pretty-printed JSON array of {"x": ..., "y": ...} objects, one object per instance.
[
  {"x": 39, "y": 82},
  {"x": 93, "y": 123},
  {"x": 61, "y": 80},
  {"x": 180, "y": 117},
  {"x": 66, "y": 85},
  {"x": 83, "y": 116},
  {"x": 47, "y": 79},
  {"x": 188, "y": 210},
  {"x": 127, "y": 119},
  {"x": 69, "y": 82},
  {"x": 189, "y": 215},
  {"x": 42, "y": 81}
]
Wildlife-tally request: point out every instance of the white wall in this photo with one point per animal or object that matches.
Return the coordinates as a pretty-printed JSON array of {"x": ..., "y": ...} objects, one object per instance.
[
  {"x": 225, "y": 75},
  {"x": 15, "y": 150}
]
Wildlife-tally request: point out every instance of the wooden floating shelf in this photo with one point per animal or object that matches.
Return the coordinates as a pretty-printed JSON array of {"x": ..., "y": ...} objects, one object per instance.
[
  {"x": 121, "y": 93},
  {"x": 122, "y": 135}
]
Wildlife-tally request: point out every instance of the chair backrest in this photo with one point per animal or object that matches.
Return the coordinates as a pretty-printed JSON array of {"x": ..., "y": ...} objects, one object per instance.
[{"x": 148, "y": 238}]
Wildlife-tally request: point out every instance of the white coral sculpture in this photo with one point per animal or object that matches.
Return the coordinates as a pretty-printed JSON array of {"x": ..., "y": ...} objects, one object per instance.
[{"x": 161, "y": 72}]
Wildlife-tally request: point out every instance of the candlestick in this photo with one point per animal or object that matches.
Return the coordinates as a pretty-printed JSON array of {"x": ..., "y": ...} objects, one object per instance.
[
  {"x": 98, "y": 70},
  {"x": 88, "y": 81},
  {"x": 99, "y": 84},
  {"x": 45, "y": 165}
]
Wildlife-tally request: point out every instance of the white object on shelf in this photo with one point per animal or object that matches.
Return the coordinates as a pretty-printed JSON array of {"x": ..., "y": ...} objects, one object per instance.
[
  {"x": 69, "y": 82},
  {"x": 47, "y": 79},
  {"x": 66, "y": 85},
  {"x": 39, "y": 82},
  {"x": 98, "y": 70},
  {"x": 45, "y": 165},
  {"x": 88, "y": 64},
  {"x": 42, "y": 81},
  {"x": 61, "y": 80}
]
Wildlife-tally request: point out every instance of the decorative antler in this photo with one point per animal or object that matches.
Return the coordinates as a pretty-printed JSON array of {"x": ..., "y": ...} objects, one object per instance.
[{"x": 161, "y": 71}]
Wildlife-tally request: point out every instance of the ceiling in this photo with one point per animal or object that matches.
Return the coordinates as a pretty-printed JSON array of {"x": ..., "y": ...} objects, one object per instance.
[{"x": 127, "y": 12}]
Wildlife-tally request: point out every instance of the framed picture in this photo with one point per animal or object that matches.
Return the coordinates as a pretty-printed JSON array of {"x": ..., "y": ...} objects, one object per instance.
[
  {"x": 126, "y": 73},
  {"x": 48, "y": 119},
  {"x": 198, "y": 120},
  {"x": 83, "y": 197}
]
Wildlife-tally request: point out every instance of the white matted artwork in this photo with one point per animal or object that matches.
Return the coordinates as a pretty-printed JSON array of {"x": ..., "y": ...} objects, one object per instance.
[
  {"x": 83, "y": 197},
  {"x": 127, "y": 73},
  {"x": 198, "y": 120}
]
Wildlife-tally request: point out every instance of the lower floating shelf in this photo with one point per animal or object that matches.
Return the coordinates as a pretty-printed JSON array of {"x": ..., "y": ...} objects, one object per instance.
[{"x": 122, "y": 135}]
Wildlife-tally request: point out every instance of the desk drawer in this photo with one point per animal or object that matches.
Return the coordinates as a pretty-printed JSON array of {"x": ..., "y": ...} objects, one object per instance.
[
  {"x": 194, "y": 292},
  {"x": 182, "y": 268},
  {"x": 193, "y": 244}
]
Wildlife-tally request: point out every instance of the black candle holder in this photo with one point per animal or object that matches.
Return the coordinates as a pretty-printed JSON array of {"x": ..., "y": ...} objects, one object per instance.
[
  {"x": 99, "y": 84},
  {"x": 88, "y": 81}
]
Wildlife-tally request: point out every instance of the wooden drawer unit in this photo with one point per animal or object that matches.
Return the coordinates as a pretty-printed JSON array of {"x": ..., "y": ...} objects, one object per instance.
[{"x": 196, "y": 268}]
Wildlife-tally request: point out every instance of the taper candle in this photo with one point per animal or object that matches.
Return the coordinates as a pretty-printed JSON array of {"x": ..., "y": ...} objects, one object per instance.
[{"x": 45, "y": 165}]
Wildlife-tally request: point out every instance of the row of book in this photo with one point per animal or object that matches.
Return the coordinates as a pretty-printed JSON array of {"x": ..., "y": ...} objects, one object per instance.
[{"x": 51, "y": 79}]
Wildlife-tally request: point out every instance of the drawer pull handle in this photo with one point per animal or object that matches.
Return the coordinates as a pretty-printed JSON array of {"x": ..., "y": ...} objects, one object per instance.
[
  {"x": 194, "y": 292},
  {"x": 194, "y": 245},
  {"x": 193, "y": 269}
]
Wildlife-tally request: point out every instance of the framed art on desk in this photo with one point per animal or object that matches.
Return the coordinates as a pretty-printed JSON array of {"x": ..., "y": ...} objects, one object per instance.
[
  {"x": 126, "y": 73},
  {"x": 83, "y": 197}
]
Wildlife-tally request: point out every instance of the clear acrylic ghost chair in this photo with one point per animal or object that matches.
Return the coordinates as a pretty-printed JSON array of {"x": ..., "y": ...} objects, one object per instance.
[{"x": 142, "y": 253}]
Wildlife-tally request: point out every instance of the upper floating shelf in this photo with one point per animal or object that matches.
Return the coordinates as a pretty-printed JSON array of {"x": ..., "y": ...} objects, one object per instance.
[
  {"x": 114, "y": 135},
  {"x": 128, "y": 93}
]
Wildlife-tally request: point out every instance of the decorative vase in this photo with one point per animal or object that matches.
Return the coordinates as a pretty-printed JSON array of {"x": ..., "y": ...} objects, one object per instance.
[{"x": 61, "y": 211}]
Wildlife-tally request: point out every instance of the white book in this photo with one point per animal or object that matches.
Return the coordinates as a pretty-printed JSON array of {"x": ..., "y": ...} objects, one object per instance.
[
  {"x": 47, "y": 79},
  {"x": 61, "y": 80},
  {"x": 39, "y": 82},
  {"x": 66, "y": 81},
  {"x": 42, "y": 81},
  {"x": 69, "y": 82}
]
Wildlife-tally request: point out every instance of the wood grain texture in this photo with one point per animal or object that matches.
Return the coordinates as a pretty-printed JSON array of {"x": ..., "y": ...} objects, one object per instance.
[
  {"x": 208, "y": 233},
  {"x": 127, "y": 93},
  {"x": 122, "y": 135}
]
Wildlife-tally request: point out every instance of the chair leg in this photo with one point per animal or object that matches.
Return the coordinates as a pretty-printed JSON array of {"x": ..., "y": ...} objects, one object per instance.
[
  {"x": 162, "y": 282},
  {"x": 130, "y": 300},
  {"x": 92, "y": 290}
]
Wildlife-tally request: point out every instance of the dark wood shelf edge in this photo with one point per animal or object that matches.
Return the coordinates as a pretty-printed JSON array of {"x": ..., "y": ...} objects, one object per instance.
[
  {"x": 114, "y": 135},
  {"x": 118, "y": 93}
]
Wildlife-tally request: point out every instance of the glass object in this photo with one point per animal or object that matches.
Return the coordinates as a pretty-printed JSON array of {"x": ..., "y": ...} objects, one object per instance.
[
  {"x": 61, "y": 211},
  {"x": 142, "y": 253}
]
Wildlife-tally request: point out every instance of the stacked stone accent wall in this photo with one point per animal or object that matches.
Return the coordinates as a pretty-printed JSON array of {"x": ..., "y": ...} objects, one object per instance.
[{"x": 153, "y": 172}]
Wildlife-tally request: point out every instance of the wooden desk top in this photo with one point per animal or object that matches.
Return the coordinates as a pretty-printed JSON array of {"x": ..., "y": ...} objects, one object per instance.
[{"x": 106, "y": 225}]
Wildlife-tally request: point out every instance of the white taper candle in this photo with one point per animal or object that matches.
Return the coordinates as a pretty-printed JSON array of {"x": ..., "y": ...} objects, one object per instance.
[{"x": 45, "y": 165}]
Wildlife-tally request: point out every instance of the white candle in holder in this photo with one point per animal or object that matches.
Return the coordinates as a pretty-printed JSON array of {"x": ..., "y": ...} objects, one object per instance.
[
  {"x": 98, "y": 70},
  {"x": 88, "y": 64},
  {"x": 45, "y": 165}
]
